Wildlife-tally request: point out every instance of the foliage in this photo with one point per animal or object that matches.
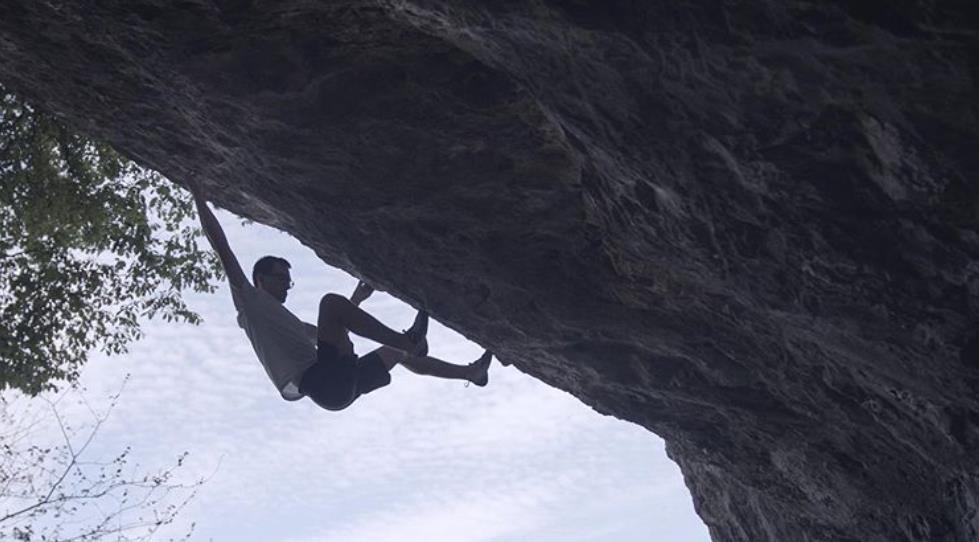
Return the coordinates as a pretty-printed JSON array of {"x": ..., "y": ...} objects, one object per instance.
[
  {"x": 60, "y": 489},
  {"x": 90, "y": 242}
]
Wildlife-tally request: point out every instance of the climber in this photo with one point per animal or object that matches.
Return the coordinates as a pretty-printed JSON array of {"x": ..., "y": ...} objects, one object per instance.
[{"x": 319, "y": 361}]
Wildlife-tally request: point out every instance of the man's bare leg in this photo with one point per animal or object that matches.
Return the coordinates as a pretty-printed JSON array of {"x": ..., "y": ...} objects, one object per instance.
[
  {"x": 476, "y": 372},
  {"x": 337, "y": 315}
]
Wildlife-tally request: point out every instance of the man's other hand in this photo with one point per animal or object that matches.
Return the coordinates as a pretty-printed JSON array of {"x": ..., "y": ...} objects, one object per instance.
[
  {"x": 195, "y": 188},
  {"x": 361, "y": 292}
]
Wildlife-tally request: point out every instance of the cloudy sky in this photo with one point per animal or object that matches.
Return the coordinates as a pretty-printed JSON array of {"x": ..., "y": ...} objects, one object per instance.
[{"x": 422, "y": 459}]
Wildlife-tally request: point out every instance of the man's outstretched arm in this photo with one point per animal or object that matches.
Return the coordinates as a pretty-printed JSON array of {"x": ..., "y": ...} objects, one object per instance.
[{"x": 212, "y": 228}]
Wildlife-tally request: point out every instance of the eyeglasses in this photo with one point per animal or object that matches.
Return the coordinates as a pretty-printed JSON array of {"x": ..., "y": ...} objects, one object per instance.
[{"x": 281, "y": 277}]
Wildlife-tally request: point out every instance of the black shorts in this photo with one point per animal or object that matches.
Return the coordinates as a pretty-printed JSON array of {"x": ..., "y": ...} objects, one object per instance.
[{"x": 335, "y": 380}]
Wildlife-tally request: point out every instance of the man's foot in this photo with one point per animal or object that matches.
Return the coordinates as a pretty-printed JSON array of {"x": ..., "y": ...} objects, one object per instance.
[
  {"x": 480, "y": 369},
  {"x": 416, "y": 334}
]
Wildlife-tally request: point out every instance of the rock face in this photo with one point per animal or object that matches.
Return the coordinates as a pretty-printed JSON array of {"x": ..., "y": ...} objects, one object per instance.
[{"x": 750, "y": 227}]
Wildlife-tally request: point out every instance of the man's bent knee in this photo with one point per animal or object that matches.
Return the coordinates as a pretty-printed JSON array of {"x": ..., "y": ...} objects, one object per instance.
[
  {"x": 330, "y": 321},
  {"x": 332, "y": 302}
]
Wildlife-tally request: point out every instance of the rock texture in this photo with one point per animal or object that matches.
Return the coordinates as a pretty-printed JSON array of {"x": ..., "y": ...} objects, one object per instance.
[{"x": 751, "y": 227}]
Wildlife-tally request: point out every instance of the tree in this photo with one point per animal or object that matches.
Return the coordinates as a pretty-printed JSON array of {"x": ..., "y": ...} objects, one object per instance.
[
  {"x": 90, "y": 242},
  {"x": 61, "y": 489}
]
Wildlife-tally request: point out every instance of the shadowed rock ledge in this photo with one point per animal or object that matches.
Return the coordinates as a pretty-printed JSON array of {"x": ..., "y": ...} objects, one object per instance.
[{"x": 750, "y": 227}]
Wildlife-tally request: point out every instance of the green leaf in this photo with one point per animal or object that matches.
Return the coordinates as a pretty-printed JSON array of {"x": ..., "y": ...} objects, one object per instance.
[{"x": 88, "y": 241}]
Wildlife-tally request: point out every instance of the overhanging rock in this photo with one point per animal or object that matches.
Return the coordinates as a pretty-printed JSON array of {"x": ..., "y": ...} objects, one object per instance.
[{"x": 749, "y": 227}]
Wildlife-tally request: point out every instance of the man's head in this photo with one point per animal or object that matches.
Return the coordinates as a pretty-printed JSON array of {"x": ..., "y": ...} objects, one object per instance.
[{"x": 272, "y": 275}]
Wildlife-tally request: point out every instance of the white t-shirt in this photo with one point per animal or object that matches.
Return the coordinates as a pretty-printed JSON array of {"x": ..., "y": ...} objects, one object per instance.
[{"x": 285, "y": 345}]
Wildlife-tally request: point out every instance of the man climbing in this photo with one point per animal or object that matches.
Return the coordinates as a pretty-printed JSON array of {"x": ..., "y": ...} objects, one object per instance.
[{"x": 319, "y": 361}]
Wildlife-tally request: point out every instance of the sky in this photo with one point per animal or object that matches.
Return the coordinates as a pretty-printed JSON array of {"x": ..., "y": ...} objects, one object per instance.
[{"x": 421, "y": 459}]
